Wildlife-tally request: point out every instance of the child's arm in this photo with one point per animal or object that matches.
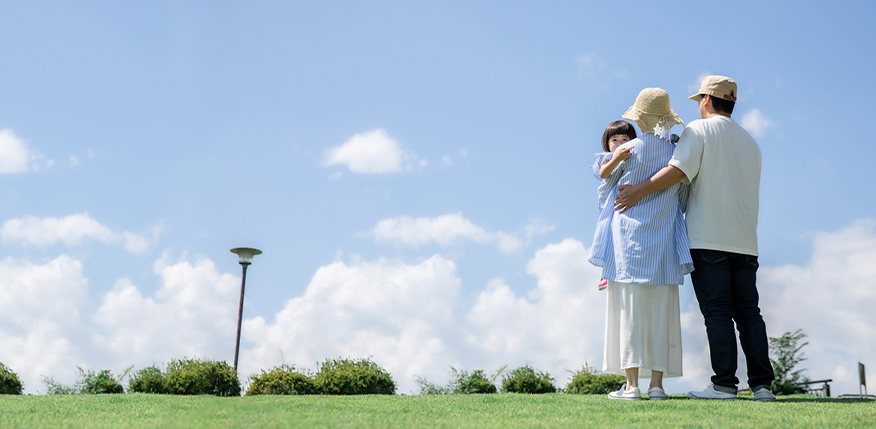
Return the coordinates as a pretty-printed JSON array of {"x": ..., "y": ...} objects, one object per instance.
[{"x": 609, "y": 166}]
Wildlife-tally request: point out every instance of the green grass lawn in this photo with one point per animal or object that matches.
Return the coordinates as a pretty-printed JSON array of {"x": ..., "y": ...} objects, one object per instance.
[{"x": 498, "y": 410}]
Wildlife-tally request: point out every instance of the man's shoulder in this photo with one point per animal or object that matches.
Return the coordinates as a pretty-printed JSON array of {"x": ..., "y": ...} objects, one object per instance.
[
  {"x": 716, "y": 124},
  {"x": 712, "y": 121}
]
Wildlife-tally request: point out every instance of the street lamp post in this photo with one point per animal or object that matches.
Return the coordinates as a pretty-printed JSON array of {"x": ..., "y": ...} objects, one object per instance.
[{"x": 245, "y": 255}]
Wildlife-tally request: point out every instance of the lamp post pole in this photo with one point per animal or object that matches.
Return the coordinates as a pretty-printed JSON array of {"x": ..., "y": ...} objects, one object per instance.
[{"x": 245, "y": 255}]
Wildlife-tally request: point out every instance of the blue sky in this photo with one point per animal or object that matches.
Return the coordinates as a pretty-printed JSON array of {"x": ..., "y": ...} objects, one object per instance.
[{"x": 447, "y": 143}]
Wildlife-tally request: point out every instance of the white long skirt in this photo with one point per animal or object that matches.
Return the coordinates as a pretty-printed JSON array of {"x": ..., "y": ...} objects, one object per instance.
[{"x": 642, "y": 329}]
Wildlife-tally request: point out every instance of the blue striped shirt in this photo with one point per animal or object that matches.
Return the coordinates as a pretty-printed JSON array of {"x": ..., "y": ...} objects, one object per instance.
[{"x": 647, "y": 244}]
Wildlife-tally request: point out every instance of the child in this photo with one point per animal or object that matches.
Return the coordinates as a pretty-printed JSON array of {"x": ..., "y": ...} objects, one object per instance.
[{"x": 604, "y": 163}]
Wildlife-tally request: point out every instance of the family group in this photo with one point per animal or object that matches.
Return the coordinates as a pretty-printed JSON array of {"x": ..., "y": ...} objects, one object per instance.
[{"x": 671, "y": 206}]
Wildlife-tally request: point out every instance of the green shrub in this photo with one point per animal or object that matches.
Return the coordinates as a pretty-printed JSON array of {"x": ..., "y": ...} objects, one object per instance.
[
  {"x": 55, "y": 388},
  {"x": 91, "y": 382},
  {"x": 201, "y": 377},
  {"x": 149, "y": 380},
  {"x": 429, "y": 388},
  {"x": 9, "y": 382},
  {"x": 528, "y": 380},
  {"x": 281, "y": 380},
  {"x": 353, "y": 377},
  {"x": 462, "y": 382},
  {"x": 588, "y": 381},
  {"x": 473, "y": 382}
]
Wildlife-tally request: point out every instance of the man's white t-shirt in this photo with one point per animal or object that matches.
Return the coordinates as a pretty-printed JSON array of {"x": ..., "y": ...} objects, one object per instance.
[{"x": 721, "y": 162}]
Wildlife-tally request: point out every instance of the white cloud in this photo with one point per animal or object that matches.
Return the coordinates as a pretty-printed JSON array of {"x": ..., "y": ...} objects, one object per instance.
[
  {"x": 557, "y": 326},
  {"x": 17, "y": 157},
  {"x": 755, "y": 122},
  {"x": 400, "y": 314},
  {"x": 41, "y": 324},
  {"x": 409, "y": 317},
  {"x": 74, "y": 161},
  {"x": 449, "y": 229},
  {"x": 412, "y": 318},
  {"x": 592, "y": 66},
  {"x": 374, "y": 152},
  {"x": 194, "y": 313},
  {"x": 832, "y": 299},
  {"x": 47, "y": 328},
  {"x": 589, "y": 64},
  {"x": 72, "y": 230},
  {"x": 447, "y": 160},
  {"x": 694, "y": 87}
]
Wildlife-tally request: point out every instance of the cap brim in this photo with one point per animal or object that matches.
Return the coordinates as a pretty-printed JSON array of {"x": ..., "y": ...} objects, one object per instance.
[{"x": 696, "y": 97}]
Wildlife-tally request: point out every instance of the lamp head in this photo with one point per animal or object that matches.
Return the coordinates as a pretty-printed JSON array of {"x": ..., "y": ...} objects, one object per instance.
[{"x": 245, "y": 254}]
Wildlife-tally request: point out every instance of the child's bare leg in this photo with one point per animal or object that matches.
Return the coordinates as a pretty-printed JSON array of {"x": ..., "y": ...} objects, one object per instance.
[
  {"x": 632, "y": 378},
  {"x": 656, "y": 379}
]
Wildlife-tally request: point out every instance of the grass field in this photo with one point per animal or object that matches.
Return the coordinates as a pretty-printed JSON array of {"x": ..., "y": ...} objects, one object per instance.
[{"x": 475, "y": 411}]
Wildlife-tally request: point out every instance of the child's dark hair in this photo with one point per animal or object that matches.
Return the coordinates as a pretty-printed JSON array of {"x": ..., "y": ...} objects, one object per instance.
[{"x": 615, "y": 128}]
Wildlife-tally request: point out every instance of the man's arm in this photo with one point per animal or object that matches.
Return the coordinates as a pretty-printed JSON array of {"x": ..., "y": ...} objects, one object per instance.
[{"x": 631, "y": 194}]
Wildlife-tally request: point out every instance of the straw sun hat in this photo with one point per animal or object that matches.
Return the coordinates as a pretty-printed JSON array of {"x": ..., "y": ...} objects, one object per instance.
[{"x": 651, "y": 110}]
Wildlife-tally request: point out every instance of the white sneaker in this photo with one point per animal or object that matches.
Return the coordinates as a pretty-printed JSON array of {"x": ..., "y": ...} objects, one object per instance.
[
  {"x": 764, "y": 395},
  {"x": 711, "y": 393},
  {"x": 656, "y": 394},
  {"x": 630, "y": 395}
]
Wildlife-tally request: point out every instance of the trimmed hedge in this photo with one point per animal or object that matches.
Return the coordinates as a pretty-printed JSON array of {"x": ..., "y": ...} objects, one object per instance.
[
  {"x": 353, "y": 377},
  {"x": 281, "y": 380},
  {"x": 202, "y": 377},
  {"x": 188, "y": 377}
]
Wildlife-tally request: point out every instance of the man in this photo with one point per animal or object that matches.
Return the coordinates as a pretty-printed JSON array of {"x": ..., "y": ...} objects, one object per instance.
[{"x": 721, "y": 162}]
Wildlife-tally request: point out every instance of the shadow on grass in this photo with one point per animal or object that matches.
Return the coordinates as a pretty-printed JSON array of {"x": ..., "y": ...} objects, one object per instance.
[
  {"x": 827, "y": 400},
  {"x": 812, "y": 399}
]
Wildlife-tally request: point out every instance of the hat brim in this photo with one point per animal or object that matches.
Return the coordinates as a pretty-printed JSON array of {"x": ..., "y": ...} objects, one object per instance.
[
  {"x": 696, "y": 97},
  {"x": 647, "y": 122}
]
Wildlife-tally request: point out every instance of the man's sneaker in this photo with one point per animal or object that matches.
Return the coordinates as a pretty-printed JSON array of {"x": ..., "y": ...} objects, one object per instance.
[
  {"x": 764, "y": 394},
  {"x": 656, "y": 394},
  {"x": 631, "y": 395},
  {"x": 711, "y": 393},
  {"x": 603, "y": 284}
]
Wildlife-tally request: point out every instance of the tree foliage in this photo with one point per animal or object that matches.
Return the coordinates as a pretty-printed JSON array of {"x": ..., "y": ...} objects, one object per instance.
[
  {"x": 787, "y": 355},
  {"x": 10, "y": 384}
]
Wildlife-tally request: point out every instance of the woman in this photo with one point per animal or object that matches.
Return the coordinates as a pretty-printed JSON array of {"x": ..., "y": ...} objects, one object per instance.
[{"x": 644, "y": 256}]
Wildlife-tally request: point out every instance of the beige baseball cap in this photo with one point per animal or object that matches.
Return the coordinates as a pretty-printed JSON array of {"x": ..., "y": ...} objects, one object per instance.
[{"x": 717, "y": 86}]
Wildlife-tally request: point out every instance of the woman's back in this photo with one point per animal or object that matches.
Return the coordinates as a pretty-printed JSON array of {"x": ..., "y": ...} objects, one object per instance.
[{"x": 647, "y": 244}]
